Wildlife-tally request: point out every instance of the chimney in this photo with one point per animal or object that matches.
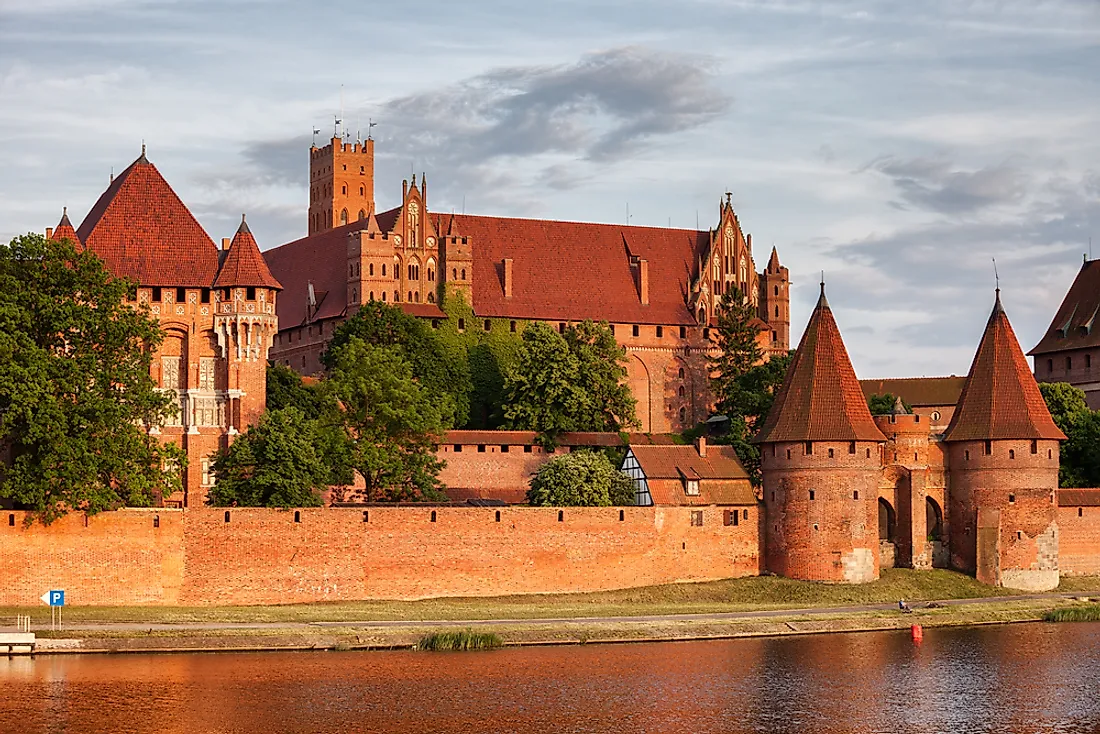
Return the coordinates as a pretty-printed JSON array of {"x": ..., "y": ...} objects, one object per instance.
[
  {"x": 701, "y": 444},
  {"x": 748, "y": 242},
  {"x": 508, "y": 277},
  {"x": 643, "y": 281},
  {"x": 49, "y": 232},
  {"x": 225, "y": 243}
]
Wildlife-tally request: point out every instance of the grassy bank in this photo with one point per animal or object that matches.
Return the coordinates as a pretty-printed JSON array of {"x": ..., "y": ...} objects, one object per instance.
[
  {"x": 1081, "y": 613},
  {"x": 462, "y": 640},
  {"x": 757, "y": 593},
  {"x": 734, "y": 595}
]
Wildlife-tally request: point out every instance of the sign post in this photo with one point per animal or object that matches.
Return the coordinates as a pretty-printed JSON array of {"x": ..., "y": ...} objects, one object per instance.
[{"x": 56, "y": 599}]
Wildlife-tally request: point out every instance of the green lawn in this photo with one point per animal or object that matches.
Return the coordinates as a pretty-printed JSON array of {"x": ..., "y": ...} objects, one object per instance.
[{"x": 765, "y": 592}]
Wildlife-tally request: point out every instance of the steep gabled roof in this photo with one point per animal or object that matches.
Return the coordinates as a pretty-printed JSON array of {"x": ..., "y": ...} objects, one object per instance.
[
  {"x": 244, "y": 265},
  {"x": 64, "y": 230},
  {"x": 142, "y": 231},
  {"x": 820, "y": 399},
  {"x": 1000, "y": 399},
  {"x": 1076, "y": 325},
  {"x": 675, "y": 462},
  {"x": 579, "y": 270},
  {"x": 920, "y": 392}
]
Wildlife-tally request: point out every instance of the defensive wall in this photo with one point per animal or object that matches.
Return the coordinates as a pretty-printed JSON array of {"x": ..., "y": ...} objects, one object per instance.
[
  {"x": 1079, "y": 539},
  {"x": 260, "y": 556}
]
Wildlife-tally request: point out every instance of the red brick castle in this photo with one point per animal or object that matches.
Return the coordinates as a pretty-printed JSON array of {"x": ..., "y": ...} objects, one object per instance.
[{"x": 657, "y": 287}]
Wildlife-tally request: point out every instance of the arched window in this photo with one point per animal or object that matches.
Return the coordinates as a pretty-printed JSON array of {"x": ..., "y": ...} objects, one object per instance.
[
  {"x": 431, "y": 297},
  {"x": 744, "y": 270},
  {"x": 372, "y": 295},
  {"x": 410, "y": 299},
  {"x": 396, "y": 267},
  {"x": 680, "y": 373},
  {"x": 416, "y": 296},
  {"x": 681, "y": 391},
  {"x": 383, "y": 270},
  {"x": 396, "y": 297},
  {"x": 454, "y": 273},
  {"x": 717, "y": 271},
  {"x": 431, "y": 269},
  {"x": 777, "y": 311},
  {"x": 362, "y": 215},
  {"x": 344, "y": 190},
  {"x": 683, "y": 414},
  {"x": 463, "y": 273},
  {"x": 362, "y": 191},
  {"x": 343, "y": 216},
  {"x": 370, "y": 268},
  {"x": 383, "y": 296}
]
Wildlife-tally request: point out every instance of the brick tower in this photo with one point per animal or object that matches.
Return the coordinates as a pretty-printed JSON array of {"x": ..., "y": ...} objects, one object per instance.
[
  {"x": 341, "y": 184},
  {"x": 1003, "y": 459},
  {"x": 905, "y": 463},
  {"x": 821, "y": 461},
  {"x": 775, "y": 305}
]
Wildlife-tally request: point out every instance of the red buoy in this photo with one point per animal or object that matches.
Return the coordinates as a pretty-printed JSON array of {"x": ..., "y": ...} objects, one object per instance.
[{"x": 917, "y": 632}]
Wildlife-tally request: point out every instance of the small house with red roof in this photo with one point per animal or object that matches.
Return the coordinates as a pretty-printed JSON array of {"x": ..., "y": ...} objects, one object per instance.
[{"x": 689, "y": 475}]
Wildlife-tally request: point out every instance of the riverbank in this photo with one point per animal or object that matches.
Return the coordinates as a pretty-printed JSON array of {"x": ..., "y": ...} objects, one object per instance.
[{"x": 765, "y": 606}]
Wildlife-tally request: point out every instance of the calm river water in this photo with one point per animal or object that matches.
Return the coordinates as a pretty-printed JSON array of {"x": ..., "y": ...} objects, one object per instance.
[{"x": 1020, "y": 678}]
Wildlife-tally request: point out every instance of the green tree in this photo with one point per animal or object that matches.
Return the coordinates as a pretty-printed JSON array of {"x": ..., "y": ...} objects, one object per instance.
[
  {"x": 76, "y": 398},
  {"x": 580, "y": 479},
  {"x": 569, "y": 382},
  {"x": 391, "y": 420},
  {"x": 884, "y": 404},
  {"x": 274, "y": 463},
  {"x": 287, "y": 389},
  {"x": 744, "y": 383},
  {"x": 441, "y": 368},
  {"x": 1080, "y": 454}
]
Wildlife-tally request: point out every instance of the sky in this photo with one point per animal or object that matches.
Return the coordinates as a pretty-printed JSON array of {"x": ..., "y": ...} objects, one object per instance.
[{"x": 898, "y": 147}]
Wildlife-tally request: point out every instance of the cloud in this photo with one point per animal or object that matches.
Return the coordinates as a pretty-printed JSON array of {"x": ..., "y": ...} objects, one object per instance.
[
  {"x": 558, "y": 121},
  {"x": 933, "y": 184}
]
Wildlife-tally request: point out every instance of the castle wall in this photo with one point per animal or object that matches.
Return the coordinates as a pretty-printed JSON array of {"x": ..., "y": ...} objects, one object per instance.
[
  {"x": 821, "y": 511},
  {"x": 1079, "y": 540},
  {"x": 262, "y": 556},
  {"x": 1007, "y": 496}
]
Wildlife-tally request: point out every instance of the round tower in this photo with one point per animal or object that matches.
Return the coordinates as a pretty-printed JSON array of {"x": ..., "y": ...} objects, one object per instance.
[
  {"x": 1003, "y": 469},
  {"x": 821, "y": 458}
]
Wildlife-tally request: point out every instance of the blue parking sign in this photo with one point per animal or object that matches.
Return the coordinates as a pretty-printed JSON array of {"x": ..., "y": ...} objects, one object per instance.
[{"x": 57, "y": 597}]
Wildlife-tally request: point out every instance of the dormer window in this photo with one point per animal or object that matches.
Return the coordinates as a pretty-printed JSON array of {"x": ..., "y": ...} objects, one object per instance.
[{"x": 691, "y": 487}]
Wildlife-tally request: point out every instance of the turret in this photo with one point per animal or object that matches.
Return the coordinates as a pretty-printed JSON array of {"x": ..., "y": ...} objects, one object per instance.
[
  {"x": 341, "y": 184},
  {"x": 64, "y": 230},
  {"x": 775, "y": 304},
  {"x": 1003, "y": 468},
  {"x": 821, "y": 459},
  {"x": 903, "y": 501}
]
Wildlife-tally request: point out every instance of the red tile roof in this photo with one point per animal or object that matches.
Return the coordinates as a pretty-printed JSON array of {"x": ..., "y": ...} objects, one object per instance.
[
  {"x": 821, "y": 399},
  {"x": 64, "y": 230},
  {"x": 1076, "y": 325},
  {"x": 711, "y": 492},
  {"x": 577, "y": 438},
  {"x": 673, "y": 462},
  {"x": 920, "y": 392},
  {"x": 142, "y": 231},
  {"x": 574, "y": 270},
  {"x": 1000, "y": 398},
  {"x": 244, "y": 265},
  {"x": 1079, "y": 497},
  {"x": 320, "y": 259}
]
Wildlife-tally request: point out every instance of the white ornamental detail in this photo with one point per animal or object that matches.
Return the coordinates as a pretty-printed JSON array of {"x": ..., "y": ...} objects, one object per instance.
[
  {"x": 179, "y": 310},
  {"x": 397, "y": 240},
  {"x": 156, "y": 309},
  {"x": 205, "y": 310},
  {"x": 193, "y": 298}
]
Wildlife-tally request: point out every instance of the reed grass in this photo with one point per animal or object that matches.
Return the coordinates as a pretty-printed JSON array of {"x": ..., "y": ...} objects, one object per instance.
[
  {"x": 461, "y": 640},
  {"x": 1083, "y": 613}
]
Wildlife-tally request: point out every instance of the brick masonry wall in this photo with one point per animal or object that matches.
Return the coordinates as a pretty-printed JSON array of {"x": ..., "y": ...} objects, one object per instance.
[
  {"x": 1079, "y": 540},
  {"x": 503, "y": 475},
  {"x": 263, "y": 556}
]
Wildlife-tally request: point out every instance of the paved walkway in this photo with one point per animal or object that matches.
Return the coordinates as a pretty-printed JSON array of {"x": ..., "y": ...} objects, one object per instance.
[{"x": 558, "y": 621}]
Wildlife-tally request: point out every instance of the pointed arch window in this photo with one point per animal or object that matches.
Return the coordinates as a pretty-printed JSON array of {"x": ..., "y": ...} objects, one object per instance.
[
  {"x": 343, "y": 216},
  {"x": 362, "y": 191},
  {"x": 744, "y": 272},
  {"x": 362, "y": 215}
]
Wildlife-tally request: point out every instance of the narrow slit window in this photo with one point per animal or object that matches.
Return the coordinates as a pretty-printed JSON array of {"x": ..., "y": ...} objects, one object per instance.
[
  {"x": 433, "y": 515},
  {"x": 297, "y": 516}
]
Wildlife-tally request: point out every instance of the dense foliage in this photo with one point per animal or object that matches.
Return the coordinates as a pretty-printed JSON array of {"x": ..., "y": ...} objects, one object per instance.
[
  {"x": 884, "y": 404},
  {"x": 440, "y": 367},
  {"x": 391, "y": 420},
  {"x": 580, "y": 479},
  {"x": 571, "y": 381},
  {"x": 744, "y": 384},
  {"x": 1080, "y": 453},
  {"x": 275, "y": 463},
  {"x": 76, "y": 396}
]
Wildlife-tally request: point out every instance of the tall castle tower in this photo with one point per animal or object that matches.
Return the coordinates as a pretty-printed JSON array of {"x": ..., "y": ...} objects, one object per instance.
[
  {"x": 775, "y": 305},
  {"x": 341, "y": 184},
  {"x": 821, "y": 460},
  {"x": 905, "y": 460},
  {"x": 1003, "y": 451}
]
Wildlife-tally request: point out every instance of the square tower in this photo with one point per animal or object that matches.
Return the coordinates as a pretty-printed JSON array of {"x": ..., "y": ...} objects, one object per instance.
[{"x": 341, "y": 184}]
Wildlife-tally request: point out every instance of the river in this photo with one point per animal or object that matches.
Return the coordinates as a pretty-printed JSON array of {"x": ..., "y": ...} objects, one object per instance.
[{"x": 1018, "y": 678}]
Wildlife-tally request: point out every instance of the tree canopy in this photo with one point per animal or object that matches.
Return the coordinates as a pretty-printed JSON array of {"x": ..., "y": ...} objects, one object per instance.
[
  {"x": 568, "y": 382},
  {"x": 580, "y": 479},
  {"x": 884, "y": 404},
  {"x": 76, "y": 396},
  {"x": 744, "y": 383},
  {"x": 1080, "y": 452},
  {"x": 391, "y": 420},
  {"x": 440, "y": 367},
  {"x": 275, "y": 463}
]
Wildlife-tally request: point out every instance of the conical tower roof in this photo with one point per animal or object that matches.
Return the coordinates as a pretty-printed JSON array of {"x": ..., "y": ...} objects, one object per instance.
[
  {"x": 244, "y": 265},
  {"x": 64, "y": 230},
  {"x": 1000, "y": 398},
  {"x": 821, "y": 399},
  {"x": 142, "y": 231},
  {"x": 773, "y": 261}
]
